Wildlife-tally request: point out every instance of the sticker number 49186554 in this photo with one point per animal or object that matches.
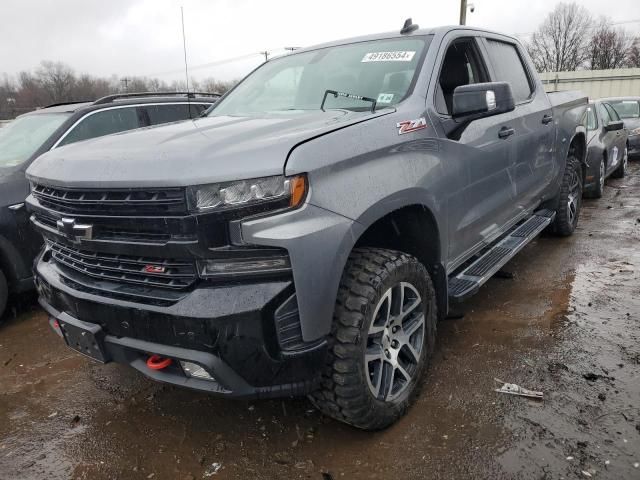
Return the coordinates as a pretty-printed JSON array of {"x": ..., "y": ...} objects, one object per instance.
[{"x": 397, "y": 56}]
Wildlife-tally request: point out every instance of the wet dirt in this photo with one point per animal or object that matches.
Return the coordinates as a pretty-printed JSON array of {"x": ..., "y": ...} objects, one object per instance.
[{"x": 567, "y": 324}]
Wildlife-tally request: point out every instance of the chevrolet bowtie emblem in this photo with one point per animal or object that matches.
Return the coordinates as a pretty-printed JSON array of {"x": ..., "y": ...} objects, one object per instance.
[{"x": 74, "y": 231}]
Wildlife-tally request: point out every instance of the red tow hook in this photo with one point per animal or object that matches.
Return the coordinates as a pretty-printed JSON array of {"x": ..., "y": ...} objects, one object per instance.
[{"x": 156, "y": 362}]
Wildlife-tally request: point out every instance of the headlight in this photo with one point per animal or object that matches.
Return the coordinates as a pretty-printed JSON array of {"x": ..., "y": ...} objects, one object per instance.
[
  {"x": 280, "y": 190},
  {"x": 635, "y": 131}
]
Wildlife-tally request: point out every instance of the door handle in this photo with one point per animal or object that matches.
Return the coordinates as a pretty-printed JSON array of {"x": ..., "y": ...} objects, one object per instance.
[
  {"x": 506, "y": 132},
  {"x": 547, "y": 119}
]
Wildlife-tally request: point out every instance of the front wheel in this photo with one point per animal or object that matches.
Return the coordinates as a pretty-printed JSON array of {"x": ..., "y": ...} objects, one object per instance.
[
  {"x": 382, "y": 336},
  {"x": 621, "y": 171},
  {"x": 597, "y": 190},
  {"x": 569, "y": 199}
]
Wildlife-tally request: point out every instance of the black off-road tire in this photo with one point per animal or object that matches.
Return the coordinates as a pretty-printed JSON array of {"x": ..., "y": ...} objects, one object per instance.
[
  {"x": 621, "y": 171},
  {"x": 344, "y": 393},
  {"x": 564, "y": 224},
  {"x": 597, "y": 190},
  {"x": 4, "y": 294}
]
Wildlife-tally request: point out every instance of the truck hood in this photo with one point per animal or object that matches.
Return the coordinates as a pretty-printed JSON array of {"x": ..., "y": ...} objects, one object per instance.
[{"x": 206, "y": 150}]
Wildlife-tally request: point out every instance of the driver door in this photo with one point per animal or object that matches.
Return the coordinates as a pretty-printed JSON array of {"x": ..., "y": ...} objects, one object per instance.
[{"x": 481, "y": 194}]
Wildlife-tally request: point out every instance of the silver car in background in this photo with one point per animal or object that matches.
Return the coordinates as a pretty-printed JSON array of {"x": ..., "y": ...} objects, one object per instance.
[{"x": 629, "y": 110}]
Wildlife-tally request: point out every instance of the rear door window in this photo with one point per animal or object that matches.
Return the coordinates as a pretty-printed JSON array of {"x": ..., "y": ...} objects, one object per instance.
[
  {"x": 104, "y": 122},
  {"x": 170, "y": 112},
  {"x": 508, "y": 67},
  {"x": 604, "y": 115},
  {"x": 627, "y": 108},
  {"x": 612, "y": 113}
]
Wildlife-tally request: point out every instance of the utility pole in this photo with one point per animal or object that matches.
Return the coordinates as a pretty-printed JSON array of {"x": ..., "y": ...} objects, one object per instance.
[
  {"x": 463, "y": 12},
  {"x": 125, "y": 82},
  {"x": 266, "y": 55}
]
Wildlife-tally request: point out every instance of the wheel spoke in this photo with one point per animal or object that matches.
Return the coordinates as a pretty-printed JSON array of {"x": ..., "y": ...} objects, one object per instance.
[
  {"x": 392, "y": 379},
  {"x": 412, "y": 327},
  {"x": 414, "y": 356},
  {"x": 374, "y": 352},
  {"x": 400, "y": 369},
  {"x": 376, "y": 330},
  {"x": 386, "y": 380},
  {"x": 411, "y": 308}
]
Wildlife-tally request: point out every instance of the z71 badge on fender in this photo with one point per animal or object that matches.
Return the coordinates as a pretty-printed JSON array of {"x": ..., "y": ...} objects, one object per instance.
[{"x": 409, "y": 126}]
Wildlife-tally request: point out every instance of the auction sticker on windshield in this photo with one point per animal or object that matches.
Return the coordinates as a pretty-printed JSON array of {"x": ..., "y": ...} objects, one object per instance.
[{"x": 397, "y": 56}]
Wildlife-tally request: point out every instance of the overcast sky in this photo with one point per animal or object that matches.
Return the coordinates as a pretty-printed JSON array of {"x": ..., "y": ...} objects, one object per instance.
[{"x": 144, "y": 37}]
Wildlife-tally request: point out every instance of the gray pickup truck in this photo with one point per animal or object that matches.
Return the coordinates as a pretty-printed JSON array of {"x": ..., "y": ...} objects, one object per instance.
[{"x": 304, "y": 237}]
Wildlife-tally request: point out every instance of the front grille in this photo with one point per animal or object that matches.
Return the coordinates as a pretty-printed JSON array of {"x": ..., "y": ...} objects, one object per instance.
[
  {"x": 119, "y": 229},
  {"x": 112, "y": 202},
  {"x": 150, "y": 272}
]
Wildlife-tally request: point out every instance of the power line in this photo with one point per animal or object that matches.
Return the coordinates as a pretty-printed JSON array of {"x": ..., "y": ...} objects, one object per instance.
[{"x": 206, "y": 65}]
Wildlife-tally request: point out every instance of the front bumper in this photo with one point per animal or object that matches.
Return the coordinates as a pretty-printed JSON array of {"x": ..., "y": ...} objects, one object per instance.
[{"x": 230, "y": 331}]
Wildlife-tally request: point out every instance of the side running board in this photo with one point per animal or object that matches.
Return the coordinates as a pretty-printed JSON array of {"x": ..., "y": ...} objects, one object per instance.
[{"x": 467, "y": 282}]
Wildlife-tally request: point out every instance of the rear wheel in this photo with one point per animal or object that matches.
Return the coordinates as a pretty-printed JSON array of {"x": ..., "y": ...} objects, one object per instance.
[
  {"x": 382, "y": 336},
  {"x": 621, "y": 171},
  {"x": 569, "y": 199},
  {"x": 4, "y": 294}
]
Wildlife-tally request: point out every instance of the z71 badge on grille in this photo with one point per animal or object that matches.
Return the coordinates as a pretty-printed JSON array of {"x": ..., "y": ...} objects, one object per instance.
[
  {"x": 409, "y": 126},
  {"x": 155, "y": 269}
]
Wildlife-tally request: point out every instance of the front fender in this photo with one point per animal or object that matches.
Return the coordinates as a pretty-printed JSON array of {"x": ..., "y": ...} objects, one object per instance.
[{"x": 319, "y": 243}]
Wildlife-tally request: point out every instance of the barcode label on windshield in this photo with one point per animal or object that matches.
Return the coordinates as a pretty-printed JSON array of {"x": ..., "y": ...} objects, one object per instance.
[{"x": 399, "y": 56}]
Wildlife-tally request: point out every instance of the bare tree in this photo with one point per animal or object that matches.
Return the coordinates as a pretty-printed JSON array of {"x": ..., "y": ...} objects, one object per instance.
[
  {"x": 633, "y": 55},
  {"x": 57, "y": 80},
  {"x": 560, "y": 42},
  {"x": 608, "y": 47},
  {"x": 212, "y": 85}
]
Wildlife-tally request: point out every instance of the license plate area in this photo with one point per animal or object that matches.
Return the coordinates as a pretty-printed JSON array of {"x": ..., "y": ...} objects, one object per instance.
[{"x": 83, "y": 337}]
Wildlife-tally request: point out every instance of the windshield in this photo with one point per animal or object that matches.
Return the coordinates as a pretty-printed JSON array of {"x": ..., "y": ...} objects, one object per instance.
[
  {"x": 383, "y": 70},
  {"x": 627, "y": 108},
  {"x": 23, "y": 136}
]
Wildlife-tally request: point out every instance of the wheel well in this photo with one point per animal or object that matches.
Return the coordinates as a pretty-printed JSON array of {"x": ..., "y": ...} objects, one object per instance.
[
  {"x": 413, "y": 230},
  {"x": 578, "y": 149}
]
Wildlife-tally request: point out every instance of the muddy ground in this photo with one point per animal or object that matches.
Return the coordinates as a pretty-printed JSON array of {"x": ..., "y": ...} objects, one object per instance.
[{"x": 567, "y": 324}]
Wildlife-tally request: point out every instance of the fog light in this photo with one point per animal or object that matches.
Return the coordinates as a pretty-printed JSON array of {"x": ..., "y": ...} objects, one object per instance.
[
  {"x": 194, "y": 370},
  {"x": 217, "y": 267}
]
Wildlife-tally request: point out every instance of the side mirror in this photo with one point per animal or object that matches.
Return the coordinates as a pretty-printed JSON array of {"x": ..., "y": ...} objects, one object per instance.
[
  {"x": 480, "y": 100},
  {"x": 613, "y": 126}
]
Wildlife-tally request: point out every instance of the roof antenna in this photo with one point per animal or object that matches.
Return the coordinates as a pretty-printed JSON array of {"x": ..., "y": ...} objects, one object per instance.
[
  {"x": 186, "y": 68},
  {"x": 408, "y": 27}
]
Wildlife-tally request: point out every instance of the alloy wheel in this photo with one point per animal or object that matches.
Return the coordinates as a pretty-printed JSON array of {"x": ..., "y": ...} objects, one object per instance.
[
  {"x": 573, "y": 199},
  {"x": 394, "y": 341}
]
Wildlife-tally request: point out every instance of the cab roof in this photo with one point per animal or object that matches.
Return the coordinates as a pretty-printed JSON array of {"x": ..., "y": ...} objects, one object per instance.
[{"x": 390, "y": 35}]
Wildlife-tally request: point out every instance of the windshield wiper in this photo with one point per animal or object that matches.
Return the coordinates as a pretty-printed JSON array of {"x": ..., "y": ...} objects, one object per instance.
[{"x": 348, "y": 95}]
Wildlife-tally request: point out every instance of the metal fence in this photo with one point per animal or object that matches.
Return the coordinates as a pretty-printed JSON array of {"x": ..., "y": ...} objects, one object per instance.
[{"x": 595, "y": 83}]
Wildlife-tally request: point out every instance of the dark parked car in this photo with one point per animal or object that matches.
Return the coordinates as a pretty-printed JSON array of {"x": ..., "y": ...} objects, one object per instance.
[
  {"x": 306, "y": 235},
  {"x": 628, "y": 108},
  {"x": 607, "y": 152},
  {"x": 30, "y": 135}
]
